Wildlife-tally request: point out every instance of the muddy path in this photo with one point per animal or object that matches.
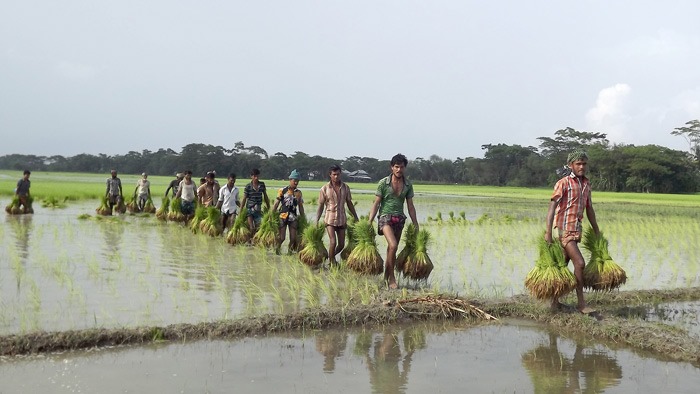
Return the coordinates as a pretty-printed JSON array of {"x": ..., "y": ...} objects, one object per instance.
[{"x": 617, "y": 323}]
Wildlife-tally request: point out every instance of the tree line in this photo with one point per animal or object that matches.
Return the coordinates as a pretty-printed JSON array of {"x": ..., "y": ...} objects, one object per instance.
[{"x": 613, "y": 167}]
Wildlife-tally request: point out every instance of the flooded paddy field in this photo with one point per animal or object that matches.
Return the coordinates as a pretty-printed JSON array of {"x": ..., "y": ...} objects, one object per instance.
[{"x": 506, "y": 357}]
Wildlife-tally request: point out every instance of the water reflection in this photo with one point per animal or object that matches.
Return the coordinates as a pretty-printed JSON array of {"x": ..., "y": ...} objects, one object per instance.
[
  {"x": 21, "y": 226},
  {"x": 113, "y": 234},
  {"x": 331, "y": 344},
  {"x": 552, "y": 371}
]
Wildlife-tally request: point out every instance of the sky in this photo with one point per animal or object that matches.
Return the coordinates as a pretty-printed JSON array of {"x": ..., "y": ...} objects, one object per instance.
[{"x": 343, "y": 78}]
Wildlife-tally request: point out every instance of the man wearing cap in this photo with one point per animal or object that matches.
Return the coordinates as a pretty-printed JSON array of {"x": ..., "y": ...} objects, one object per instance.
[
  {"x": 291, "y": 205},
  {"x": 174, "y": 184},
  {"x": 114, "y": 190},
  {"x": 142, "y": 191},
  {"x": 572, "y": 195}
]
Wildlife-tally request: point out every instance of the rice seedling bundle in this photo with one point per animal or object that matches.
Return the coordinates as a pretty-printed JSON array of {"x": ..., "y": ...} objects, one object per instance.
[
  {"x": 269, "y": 229},
  {"x": 131, "y": 205},
  {"x": 211, "y": 224},
  {"x": 601, "y": 273},
  {"x": 162, "y": 212},
  {"x": 104, "y": 207},
  {"x": 365, "y": 257},
  {"x": 149, "y": 207},
  {"x": 302, "y": 225},
  {"x": 314, "y": 252},
  {"x": 120, "y": 207},
  {"x": 351, "y": 239},
  {"x": 200, "y": 213},
  {"x": 551, "y": 277},
  {"x": 239, "y": 233},
  {"x": 409, "y": 247},
  {"x": 13, "y": 208},
  {"x": 418, "y": 264},
  {"x": 175, "y": 212}
]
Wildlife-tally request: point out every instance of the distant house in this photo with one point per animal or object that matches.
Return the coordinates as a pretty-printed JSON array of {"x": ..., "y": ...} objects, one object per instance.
[{"x": 357, "y": 176}]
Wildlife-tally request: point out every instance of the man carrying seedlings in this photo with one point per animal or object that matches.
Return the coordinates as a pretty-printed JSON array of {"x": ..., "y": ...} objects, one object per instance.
[
  {"x": 207, "y": 193},
  {"x": 174, "y": 184},
  {"x": 254, "y": 194},
  {"x": 391, "y": 193},
  {"x": 22, "y": 191},
  {"x": 228, "y": 201},
  {"x": 291, "y": 204},
  {"x": 187, "y": 191},
  {"x": 114, "y": 190},
  {"x": 333, "y": 197},
  {"x": 572, "y": 195},
  {"x": 142, "y": 191}
]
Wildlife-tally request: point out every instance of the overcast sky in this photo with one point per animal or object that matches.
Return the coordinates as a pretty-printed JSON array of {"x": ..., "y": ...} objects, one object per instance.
[{"x": 342, "y": 78}]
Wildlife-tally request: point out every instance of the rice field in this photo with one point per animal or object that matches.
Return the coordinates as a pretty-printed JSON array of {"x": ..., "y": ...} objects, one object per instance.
[{"x": 59, "y": 272}]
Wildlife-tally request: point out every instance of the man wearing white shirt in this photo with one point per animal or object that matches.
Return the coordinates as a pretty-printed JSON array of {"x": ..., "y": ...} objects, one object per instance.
[{"x": 228, "y": 201}]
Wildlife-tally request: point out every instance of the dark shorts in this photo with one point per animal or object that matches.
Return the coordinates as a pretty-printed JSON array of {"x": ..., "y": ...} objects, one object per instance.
[
  {"x": 288, "y": 219},
  {"x": 114, "y": 199},
  {"x": 187, "y": 207},
  {"x": 396, "y": 223},
  {"x": 256, "y": 214}
]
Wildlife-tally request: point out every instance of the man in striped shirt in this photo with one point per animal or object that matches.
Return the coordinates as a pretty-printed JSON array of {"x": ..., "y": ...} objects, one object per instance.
[
  {"x": 571, "y": 197},
  {"x": 254, "y": 194}
]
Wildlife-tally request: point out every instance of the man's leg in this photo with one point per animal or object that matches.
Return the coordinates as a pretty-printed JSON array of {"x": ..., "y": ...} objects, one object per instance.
[
  {"x": 331, "y": 244},
  {"x": 391, "y": 248},
  {"x": 573, "y": 252}
]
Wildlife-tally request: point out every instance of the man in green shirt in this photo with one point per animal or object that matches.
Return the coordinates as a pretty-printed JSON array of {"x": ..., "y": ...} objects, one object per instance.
[{"x": 391, "y": 193}]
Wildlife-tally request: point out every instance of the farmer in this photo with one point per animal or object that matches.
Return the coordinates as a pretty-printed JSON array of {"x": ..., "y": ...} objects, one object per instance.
[
  {"x": 254, "y": 194},
  {"x": 391, "y": 193},
  {"x": 22, "y": 191},
  {"x": 174, "y": 184},
  {"x": 114, "y": 190},
  {"x": 207, "y": 193},
  {"x": 333, "y": 197},
  {"x": 187, "y": 191},
  {"x": 228, "y": 201},
  {"x": 572, "y": 195},
  {"x": 291, "y": 204},
  {"x": 142, "y": 191}
]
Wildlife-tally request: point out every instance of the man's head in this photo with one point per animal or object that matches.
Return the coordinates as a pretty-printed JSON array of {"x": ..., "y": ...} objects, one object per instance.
[
  {"x": 144, "y": 175},
  {"x": 188, "y": 174},
  {"x": 254, "y": 174},
  {"x": 114, "y": 173},
  {"x": 202, "y": 180},
  {"x": 334, "y": 173},
  {"x": 294, "y": 177},
  {"x": 398, "y": 165},
  {"x": 578, "y": 162},
  {"x": 179, "y": 175},
  {"x": 210, "y": 178},
  {"x": 26, "y": 174},
  {"x": 231, "y": 179}
]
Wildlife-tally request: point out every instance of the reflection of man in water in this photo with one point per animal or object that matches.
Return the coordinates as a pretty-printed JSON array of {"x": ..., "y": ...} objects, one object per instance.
[
  {"x": 21, "y": 225},
  {"x": 552, "y": 372},
  {"x": 331, "y": 344},
  {"x": 385, "y": 376}
]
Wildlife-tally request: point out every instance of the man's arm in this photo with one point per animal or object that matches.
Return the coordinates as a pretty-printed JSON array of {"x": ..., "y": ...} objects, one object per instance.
[
  {"x": 550, "y": 221},
  {"x": 412, "y": 212},
  {"x": 375, "y": 207},
  {"x": 590, "y": 214},
  {"x": 301, "y": 203},
  {"x": 351, "y": 206}
]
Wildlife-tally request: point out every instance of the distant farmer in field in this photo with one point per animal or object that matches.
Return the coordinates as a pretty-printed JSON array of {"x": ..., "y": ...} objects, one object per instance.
[
  {"x": 216, "y": 186},
  {"x": 254, "y": 194},
  {"x": 391, "y": 193},
  {"x": 291, "y": 204},
  {"x": 142, "y": 191},
  {"x": 187, "y": 192},
  {"x": 114, "y": 190},
  {"x": 228, "y": 201},
  {"x": 207, "y": 193},
  {"x": 333, "y": 197},
  {"x": 174, "y": 184},
  {"x": 22, "y": 191},
  {"x": 572, "y": 195}
]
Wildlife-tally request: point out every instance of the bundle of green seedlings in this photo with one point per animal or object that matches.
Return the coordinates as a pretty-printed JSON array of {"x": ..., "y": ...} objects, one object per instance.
[
  {"x": 149, "y": 207},
  {"x": 239, "y": 233},
  {"x": 162, "y": 212},
  {"x": 350, "y": 239},
  {"x": 131, "y": 204},
  {"x": 365, "y": 257},
  {"x": 601, "y": 273},
  {"x": 200, "y": 213},
  {"x": 417, "y": 264},
  {"x": 551, "y": 277},
  {"x": 211, "y": 224},
  {"x": 175, "y": 212},
  {"x": 14, "y": 209},
  {"x": 269, "y": 229},
  {"x": 53, "y": 202},
  {"x": 120, "y": 207},
  {"x": 409, "y": 239},
  {"x": 104, "y": 207},
  {"x": 314, "y": 252},
  {"x": 302, "y": 225}
]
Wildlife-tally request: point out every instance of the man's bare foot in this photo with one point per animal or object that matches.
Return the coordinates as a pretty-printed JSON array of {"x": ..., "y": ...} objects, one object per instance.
[
  {"x": 391, "y": 284},
  {"x": 586, "y": 310}
]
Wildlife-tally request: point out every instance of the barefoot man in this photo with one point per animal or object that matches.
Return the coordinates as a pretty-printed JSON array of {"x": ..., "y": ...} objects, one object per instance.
[
  {"x": 572, "y": 195},
  {"x": 391, "y": 193},
  {"x": 334, "y": 196}
]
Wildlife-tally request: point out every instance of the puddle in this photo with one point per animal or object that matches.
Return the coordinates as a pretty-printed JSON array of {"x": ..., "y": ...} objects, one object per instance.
[
  {"x": 514, "y": 357},
  {"x": 685, "y": 315}
]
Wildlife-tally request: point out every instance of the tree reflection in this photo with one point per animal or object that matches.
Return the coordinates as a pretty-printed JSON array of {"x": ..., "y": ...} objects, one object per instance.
[
  {"x": 553, "y": 372},
  {"x": 389, "y": 365}
]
